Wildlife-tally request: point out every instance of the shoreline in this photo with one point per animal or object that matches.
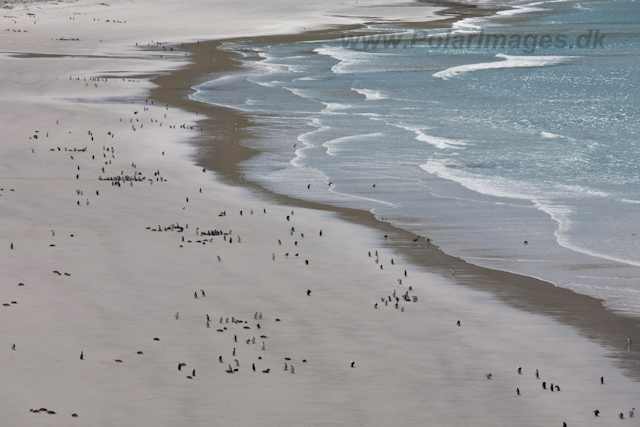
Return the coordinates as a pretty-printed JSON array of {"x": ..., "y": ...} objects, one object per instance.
[
  {"x": 112, "y": 237},
  {"x": 585, "y": 314}
]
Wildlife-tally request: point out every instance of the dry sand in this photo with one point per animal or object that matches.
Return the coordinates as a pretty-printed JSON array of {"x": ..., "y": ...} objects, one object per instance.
[{"x": 125, "y": 282}]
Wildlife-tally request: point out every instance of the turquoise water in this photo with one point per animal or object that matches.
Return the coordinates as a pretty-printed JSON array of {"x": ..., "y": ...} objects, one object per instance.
[{"x": 479, "y": 148}]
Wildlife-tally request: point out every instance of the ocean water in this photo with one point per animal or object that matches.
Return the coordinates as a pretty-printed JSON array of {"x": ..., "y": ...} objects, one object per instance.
[{"x": 478, "y": 147}]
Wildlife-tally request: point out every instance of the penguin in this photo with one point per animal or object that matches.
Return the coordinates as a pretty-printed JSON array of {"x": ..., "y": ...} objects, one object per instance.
[
  {"x": 263, "y": 345},
  {"x": 596, "y": 413},
  {"x": 601, "y": 380},
  {"x": 82, "y": 355},
  {"x": 537, "y": 375},
  {"x": 520, "y": 370},
  {"x": 518, "y": 391},
  {"x": 544, "y": 385},
  {"x": 253, "y": 367},
  {"x": 458, "y": 323},
  {"x": 353, "y": 364}
]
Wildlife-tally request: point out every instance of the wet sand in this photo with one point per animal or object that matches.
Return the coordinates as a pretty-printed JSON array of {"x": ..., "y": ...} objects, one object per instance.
[{"x": 586, "y": 314}]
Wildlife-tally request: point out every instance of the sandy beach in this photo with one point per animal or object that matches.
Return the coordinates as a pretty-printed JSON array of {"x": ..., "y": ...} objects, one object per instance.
[{"x": 133, "y": 246}]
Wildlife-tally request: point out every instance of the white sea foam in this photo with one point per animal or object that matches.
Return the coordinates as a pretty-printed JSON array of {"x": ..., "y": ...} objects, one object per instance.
[
  {"x": 494, "y": 186},
  {"x": 370, "y": 94},
  {"x": 468, "y": 25},
  {"x": 220, "y": 81},
  {"x": 273, "y": 83},
  {"x": 436, "y": 141},
  {"x": 517, "y": 10},
  {"x": 331, "y": 145},
  {"x": 549, "y": 135},
  {"x": 508, "y": 62},
  {"x": 299, "y": 92},
  {"x": 351, "y": 60},
  {"x": 563, "y": 237},
  {"x": 334, "y": 108},
  {"x": 271, "y": 65},
  {"x": 540, "y": 196},
  {"x": 303, "y": 140}
]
